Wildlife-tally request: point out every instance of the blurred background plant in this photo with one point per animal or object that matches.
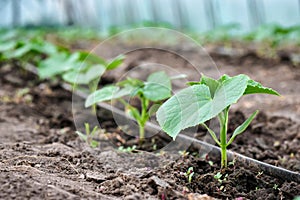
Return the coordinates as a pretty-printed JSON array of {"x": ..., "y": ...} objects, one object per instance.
[
  {"x": 109, "y": 17},
  {"x": 271, "y": 24}
]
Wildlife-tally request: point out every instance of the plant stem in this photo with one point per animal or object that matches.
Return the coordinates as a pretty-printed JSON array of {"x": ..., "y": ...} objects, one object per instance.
[
  {"x": 144, "y": 117},
  {"x": 93, "y": 86},
  {"x": 223, "y": 137},
  {"x": 142, "y": 132}
]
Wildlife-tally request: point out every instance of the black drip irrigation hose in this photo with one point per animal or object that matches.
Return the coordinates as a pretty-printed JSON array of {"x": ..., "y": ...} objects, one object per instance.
[{"x": 271, "y": 170}]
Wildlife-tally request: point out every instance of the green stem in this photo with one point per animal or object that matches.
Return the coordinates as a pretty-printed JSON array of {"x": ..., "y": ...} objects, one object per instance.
[
  {"x": 144, "y": 117},
  {"x": 142, "y": 132},
  {"x": 223, "y": 137},
  {"x": 92, "y": 87}
]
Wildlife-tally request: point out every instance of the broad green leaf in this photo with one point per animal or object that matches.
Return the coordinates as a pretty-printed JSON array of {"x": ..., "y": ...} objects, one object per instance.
[
  {"x": 131, "y": 82},
  {"x": 183, "y": 109},
  {"x": 231, "y": 90},
  {"x": 255, "y": 87},
  {"x": 57, "y": 64},
  {"x": 195, "y": 105},
  {"x": 46, "y": 48},
  {"x": 8, "y": 35},
  {"x": 240, "y": 129},
  {"x": 107, "y": 93},
  {"x": 115, "y": 62},
  {"x": 19, "y": 52},
  {"x": 90, "y": 58},
  {"x": 5, "y": 46},
  {"x": 85, "y": 77},
  {"x": 157, "y": 87},
  {"x": 136, "y": 91},
  {"x": 153, "y": 109},
  {"x": 211, "y": 83},
  {"x": 36, "y": 46}
]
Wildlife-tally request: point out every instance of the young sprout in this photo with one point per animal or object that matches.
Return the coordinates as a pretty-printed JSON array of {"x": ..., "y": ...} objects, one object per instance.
[
  {"x": 189, "y": 174},
  {"x": 205, "y": 100},
  {"x": 128, "y": 149},
  {"x": 89, "y": 135},
  {"x": 156, "y": 88},
  {"x": 218, "y": 177}
]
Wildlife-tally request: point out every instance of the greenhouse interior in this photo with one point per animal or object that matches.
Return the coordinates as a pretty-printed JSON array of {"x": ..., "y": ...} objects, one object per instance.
[{"x": 97, "y": 99}]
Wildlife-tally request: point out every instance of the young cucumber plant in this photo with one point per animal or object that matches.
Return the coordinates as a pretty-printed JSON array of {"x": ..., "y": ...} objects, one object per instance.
[
  {"x": 89, "y": 135},
  {"x": 154, "y": 90},
  {"x": 88, "y": 70},
  {"x": 207, "y": 99}
]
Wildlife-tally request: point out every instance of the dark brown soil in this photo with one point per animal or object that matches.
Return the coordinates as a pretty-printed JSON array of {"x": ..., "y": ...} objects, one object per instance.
[{"x": 41, "y": 157}]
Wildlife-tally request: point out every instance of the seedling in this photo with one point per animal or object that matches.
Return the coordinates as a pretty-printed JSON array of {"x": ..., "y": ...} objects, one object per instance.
[
  {"x": 154, "y": 147},
  {"x": 153, "y": 91},
  {"x": 232, "y": 162},
  {"x": 189, "y": 174},
  {"x": 89, "y": 135},
  {"x": 127, "y": 149},
  {"x": 259, "y": 174},
  {"x": 184, "y": 153},
  {"x": 218, "y": 177},
  {"x": 205, "y": 100}
]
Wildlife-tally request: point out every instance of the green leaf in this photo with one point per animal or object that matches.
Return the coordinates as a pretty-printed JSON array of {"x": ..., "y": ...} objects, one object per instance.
[
  {"x": 153, "y": 109},
  {"x": 8, "y": 35},
  {"x": 183, "y": 109},
  {"x": 94, "y": 131},
  {"x": 133, "y": 112},
  {"x": 19, "y": 52},
  {"x": 157, "y": 87},
  {"x": 231, "y": 90},
  {"x": 90, "y": 58},
  {"x": 81, "y": 135},
  {"x": 7, "y": 46},
  {"x": 195, "y": 105},
  {"x": 115, "y": 62},
  {"x": 212, "y": 133},
  {"x": 107, "y": 93},
  {"x": 46, "y": 48},
  {"x": 224, "y": 78},
  {"x": 87, "y": 128},
  {"x": 131, "y": 82},
  {"x": 84, "y": 77},
  {"x": 255, "y": 87},
  {"x": 211, "y": 83},
  {"x": 94, "y": 143},
  {"x": 57, "y": 64},
  {"x": 36, "y": 46},
  {"x": 240, "y": 129}
]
